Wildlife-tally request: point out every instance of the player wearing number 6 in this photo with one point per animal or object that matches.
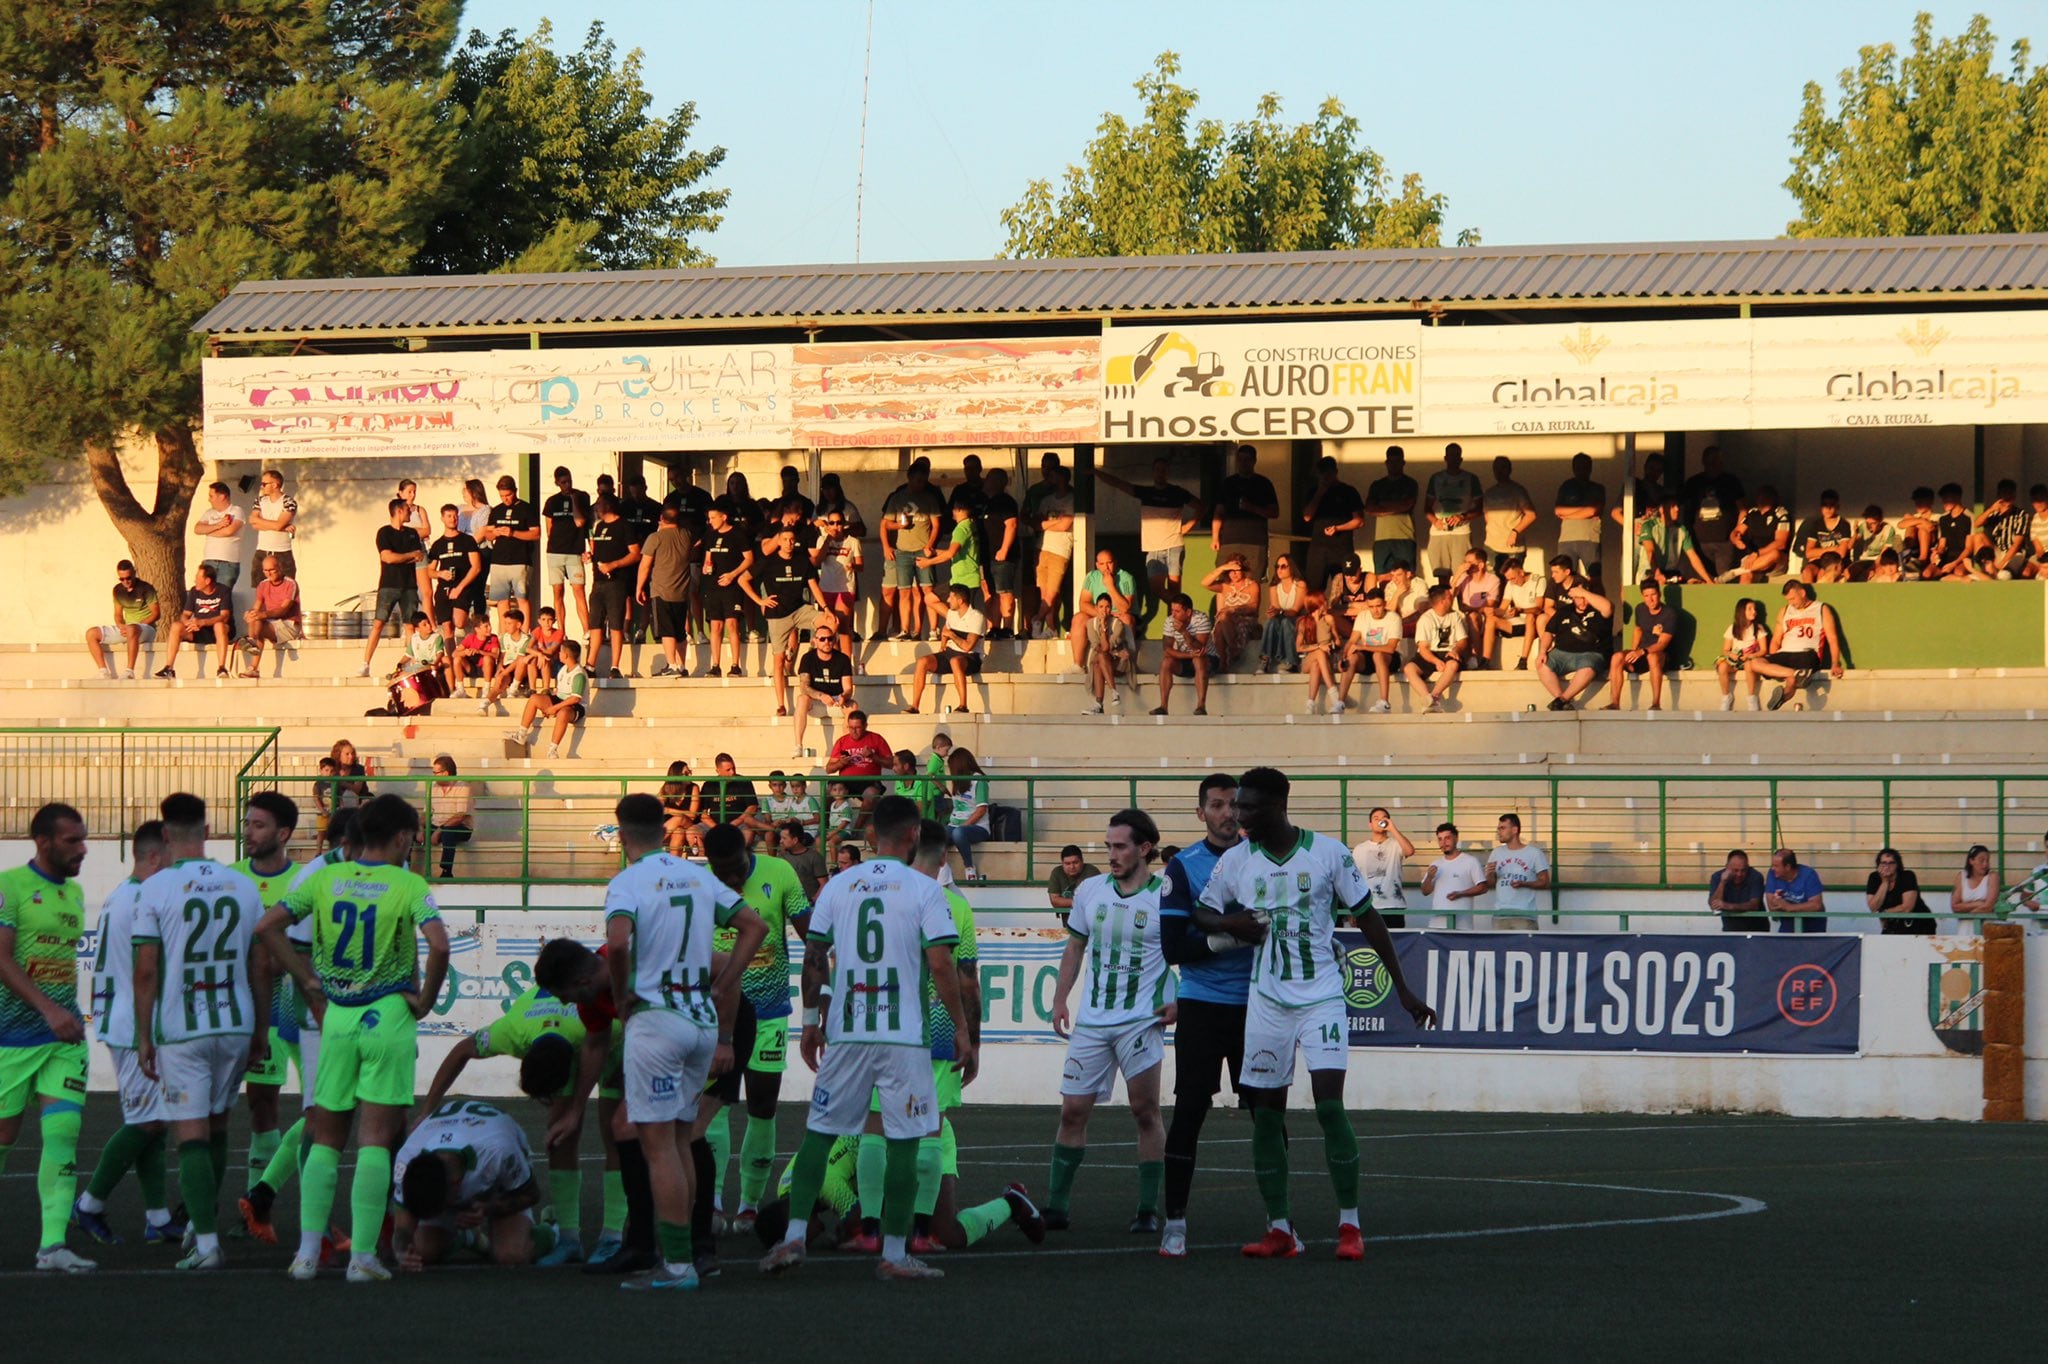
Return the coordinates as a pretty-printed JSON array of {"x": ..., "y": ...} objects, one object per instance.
[
  {"x": 1281, "y": 890},
  {"x": 198, "y": 1029},
  {"x": 367, "y": 989}
]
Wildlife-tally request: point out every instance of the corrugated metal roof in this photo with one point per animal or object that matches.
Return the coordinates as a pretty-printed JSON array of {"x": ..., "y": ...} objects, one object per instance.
[{"x": 1299, "y": 282}]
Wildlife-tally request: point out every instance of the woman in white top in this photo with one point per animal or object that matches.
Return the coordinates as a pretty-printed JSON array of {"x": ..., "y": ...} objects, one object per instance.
[
  {"x": 968, "y": 822},
  {"x": 1746, "y": 638},
  {"x": 476, "y": 508},
  {"x": 1976, "y": 891},
  {"x": 416, "y": 521},
  {"x": 1283, "y": 607}
]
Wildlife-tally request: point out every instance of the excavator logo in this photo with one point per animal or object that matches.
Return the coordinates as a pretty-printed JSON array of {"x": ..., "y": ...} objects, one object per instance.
[{"x": 1202, "y": 373}]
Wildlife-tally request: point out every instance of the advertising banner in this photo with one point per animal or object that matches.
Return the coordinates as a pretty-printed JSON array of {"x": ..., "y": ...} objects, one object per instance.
[
  {"x": 877, "y": 394},
  {"x": 1927, "y": 369}
]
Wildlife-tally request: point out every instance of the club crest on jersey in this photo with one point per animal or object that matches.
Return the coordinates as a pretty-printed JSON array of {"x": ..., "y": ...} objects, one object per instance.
[
  {"x": 1301, "y": 882},
  {"x": 1139, "y": 920}
]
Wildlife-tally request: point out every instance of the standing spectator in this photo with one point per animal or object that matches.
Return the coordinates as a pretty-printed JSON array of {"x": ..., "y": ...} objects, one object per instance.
[
  {"x": 1185, "y": 652},
  {"x": 1235, "y": 615},
  {"x": 274, "y": 616},
  {"x": 793, "y": 603},
  {"x": 1517, "y": 615},
  {"x": 511, "y": 534},
  {"x": 476, "y": 509},
  {"x": 1245, "y": 507},
  {"x": 1452, "y": 505},
  {"x": 567, "y": 515},
  {"x": 1452, "y": 879},
  {"x": 416, "y": 518},
  {"x": 663, "y": 584},
  {"x": 1001, "y": 537},
  {"x": 839, "y": 564},
  {"x": 728, "y": 565},
  {"x": 1713, "y": 503},
  {"x": 1508, "y": 512},
  {"x": 1646, "y": 490},
  {"x": 1825, "y": 532},
  {"x": 1109, "y": 653},
  {"x": 1515, "y": 871},
  {"x": 859, "y": 752},
  {"x": 1762, "y": 537},
  {"x": 824, "y": 677},
  {"x": 208, "y": 609},
  {"x": 1052, "y": 512},
  {"x": 1390, "y": 501},
  {"x": 1998, "y": 548},
  {"x": 1666, "y": 546},
  {"x": 961, "y": 555},
  {"x": 1974, "y": 897},
  {"x": 1333, "y": 515},
  {"x": 219, "y": 529},
  {"x": 832, "y": 501},
  {"x": 1321, "y": 633},
  {"x": 1071, "y": 870},
  {"x": 1375, "y": 640},
  {"x": 796, "y": 846},
  {"x": 910, "y": 521},
  {"x": 457, "y": 563},
  {"x": 968, "y": 823},
  {"x": 1286, "y": 598},
  {"x": 399, "y": 552},
  {"x": 1650, "y": 650},
  {"x": 1380, "y": 857},
  {"x": 275, "y": 521},
  {"x": 614, "y": 571},
  {"x": 1805, "y": 627},
  {"x": 1441, "y": 642},
  {"x": 1167, "y": 513},
  {"x": 1736, "y": 893},
  {"x": 1747, "y": 637},
  {"x": 1575, "y": 639},
  {"x": 1794, "y": 893},
  {"x": 1581, "y": 509},
  {"x": 454, "y": 812},
  {"x": 959, "y": 651},
  {"x": 1893, "y": 894}
]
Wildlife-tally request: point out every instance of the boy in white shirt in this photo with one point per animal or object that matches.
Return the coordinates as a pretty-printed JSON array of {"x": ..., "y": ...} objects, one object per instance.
[
  {"x": 566, "y": 703},
  {"x": 1514, "y": 615}
]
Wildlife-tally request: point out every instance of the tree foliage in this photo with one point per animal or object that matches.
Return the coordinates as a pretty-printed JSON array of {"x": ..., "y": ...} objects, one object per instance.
[
  {"x": 1940, "y": 141},
  {"x": 1176, "y": 184}
]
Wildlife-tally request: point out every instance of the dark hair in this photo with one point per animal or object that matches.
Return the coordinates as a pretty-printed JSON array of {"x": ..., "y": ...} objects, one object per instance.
[
  {"x": 859, "y": 715},
  {"x": 424, "y": 1190},
  {"x": 1970, "y": 856},
  {"x": 572, "y": 651},
  {"x": 220, "y": 488},
  {"x": 562, "y": 471},
  {"x": 961, "y": 763},
  {"x": 641, "y": 813},
  {"x": 931, "y": 838},
  {"x": 796, "y": 831},
  {"x": 604, "y": 506},
  {"x": 1215, "y": 781},
  {"x": 1071, "y": 850},
  {"x": 278, "y": 806},
  {"x": 1763, "y": 616},
  {"x": 507, "y": 483},
  {"x": 1893, "y": 854},
  {"x": 1736, "y": 852},
  {"x": 904, "y": 755},
  {"x": 1269, "y": 782},
  {"x": 1512, "y": 818},
  {"x": 2038, "y": 493},
  {"x": 183, "y": 812},
  {"x": 560, "y": 961},
  {"x": 893, "y": 817},
  {"x": 1373, "y": 594},
  {"x": 1564, "y": 561},
  {"x": 397, "y": 504},
  {"x": 422, "y": 618},
  {"x": 722, "y": 841},
  {"x": 344, "y": 826},
  {"x": 514, "y": 613},
  {"x": 1952, "y": 492},
  {"x": 1144, "y": 829},
  {"x": 148, "y": 836},
  {"x": 1182, "y": 599},
  {"x": 1923, "y": 493},
  {"x": 451, "y": 507},
  {"x": 547, "y": 1067},
  {"x": 1447, "y": 825},
  {"x": 382, "y": 818}
]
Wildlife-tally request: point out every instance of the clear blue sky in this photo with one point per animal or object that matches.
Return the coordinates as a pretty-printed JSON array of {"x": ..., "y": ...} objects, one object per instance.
[{"x": 1543, "y": 122}]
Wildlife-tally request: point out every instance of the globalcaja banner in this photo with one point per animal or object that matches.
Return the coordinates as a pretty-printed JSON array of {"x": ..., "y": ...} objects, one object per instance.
[{"x": 1734, "y": 994}]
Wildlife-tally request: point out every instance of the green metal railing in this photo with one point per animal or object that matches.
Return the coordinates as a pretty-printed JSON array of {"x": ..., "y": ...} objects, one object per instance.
[{"x": 116, "y": 777}]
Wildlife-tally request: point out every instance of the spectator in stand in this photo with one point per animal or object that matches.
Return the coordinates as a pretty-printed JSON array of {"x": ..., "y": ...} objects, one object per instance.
[
  {"x": 1794, "y": 893},
  {"x": 2036, "y": 565},
  {"x": 832, "y": 501},
  {"x": 959, "y": 651},
  {"x": 1762, "y": 537},
  {"x": 845, "y": 857},
  {"x": 614, "y": 573},
  {"x": 1875, "y": 537},
  {"x": 1167, "y": 514},
  {"x": 476, "y": 509},
  {"x": 789, "y": 802},
  {"x": 1406, "y": 596},
  {"x": 824, "y": 678},
  {"x": 416, "y": 518},
  {"x": 1452, "y": 504},
  {"x": 1184, "y": 652},
  {"x": 910, "y": 522},
  {"x": 1375, "y": 641},
  {"x": 1320, "y": 632},
  {"x": 1245, "y": 507},
  {"x": 426, "y": 651},
  {"x": 399, "y": 554},
  {"x": 960, "y": 558},
  {"x": 1886, "y": 569},
  {"x": 456, "y": 563},
  {"x": 1916, "y": 536},
  {"x": 544, "y": 655},
  {"x": 1453, "y": 879},
  {"x": 511, "y": 537},
  {"x": 1825, "y": 532},
  {"x": 1575, "y": 642},
  {"x": 1736, "y": 893},
  {"x": 728, "y": 797},
  {"x": 208, "y": 609},
  {"x": 219, "y": 529},
  {"x": 1379, "y": 858},
  {"x": 680, "y": 808},
  {"x": 1666, "y": 546},
  {"x": 273, "y": 618},
  {"x": 1646, "y": 490},
  {"x": 839, "y": 564},
  {"x": 1805, "y": 628},
  {"x": 728, "y": 583},
  {"x": 2030, "y": 893},
  {"x": 1515, "y": 871},
  {"x": 1072, "y": 869},
  {"x": 515, "y": 647},
  {"x": 1747, "y": 637},
  {"x": 476, "y": 655},
  {"x": 1347, "y": 592},
  {"x": 1948, "y": 557},
  {"x": 1476, "y": 589},
  {"x": 350, "y": 789},
  {"x": 1441, "y": 642},
  {"x": 1002, "y": 539},
  {"x": 1581, "y": 509},
  {"x": 1103, "y": 580},
  {"x": 567, "y": 515},
  {"x": 323, "y": 806},
  {"x": 859, "y": 752},
  {"x": 796, "y": 846},
  {"x": 565, "y": 701},
  {"x": 1390, "y": 502},
  {"x": 1334, "y": 513},
  {"x": 1234, "y": 611},
  {"x": 1110, "y": 655},
  {"x": 937, "y": 765},
  {"x": 1051, "y": 509},
  {"x": 274, "y": 521},
  {"x": 1286, "y": 598},
  {"x": 1998, "y": 549},
  {"x": 1650, "y": 651},
  {"x": 1974, "y": 896},
  {"x": 1509, "y": 512},
  {"x": 1517, "y": 615},
  {"x": 910, "y": 782},
  {"x": 969, "y": 822},
  {"x": 663, "y": 585},
  {"x": 454, "y": 812},
  {"x": 1893, "y": 894},
  {"x": 1830, "y": 568},
  {"x": 1713, "y": 503}
]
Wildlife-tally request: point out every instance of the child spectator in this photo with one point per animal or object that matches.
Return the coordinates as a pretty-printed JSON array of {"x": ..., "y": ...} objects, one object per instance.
[
  {"x": 547, "y": 649},
  {"x": 840, "y": 819},
  {"x": 1747, "y": 636},
  {"x": 475, "y": 655},
  {"x": 515, "y": 646},
  {"x": 565, "y": 700}
]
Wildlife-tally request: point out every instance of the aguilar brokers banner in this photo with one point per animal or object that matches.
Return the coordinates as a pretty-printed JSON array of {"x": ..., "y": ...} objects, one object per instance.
[{"x": 1794, "y": 994}]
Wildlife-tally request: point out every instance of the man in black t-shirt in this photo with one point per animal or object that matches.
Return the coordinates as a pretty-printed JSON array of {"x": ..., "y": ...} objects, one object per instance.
[
  {"x": 1245, "y": 507},
  {"x": 208, "y": 607},
  {"x": 614, "y": 571},
  {"x": 1000, "y": 538},
  {"x": 1656, "y": 628},
  {"x": 824, "y": 677},
  {"x": 1574, "y": 643},
  {"x": 1166, "y": 513},
  {"x": 1334, "y": 513},
  {"x": 399, "y": 555},
  {"x": 727, "y": 799},
  {"x": 728, "y": 555},
  {"x": 511, "y": 539},
  {"x": 1952, "y": 530},
  {"x": 642, "y": 515},
  {"x": 794, "y": 603},
  {"x": 792, "y": 491},
  {"x": 567, "y": 517},
  {"x": 1713, "y": 501},
  {"x": 458, "y": 564}
]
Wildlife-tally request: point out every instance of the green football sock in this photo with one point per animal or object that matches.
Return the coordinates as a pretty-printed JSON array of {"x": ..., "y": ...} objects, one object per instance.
[
  {"x": 218, "y": 1147},
  {"x": 899, "y": 1187},
  {"x": 565, "y": 1191},
  {"x": 199, "y": 1185},
  {"x": 807, "y": 1177},
  {"x": 149, "y": 1171},
  {"x": 983, "y": 1218},
  {"x": 871, "y": 1175},
  {"x": 57, "y": 1171},
  {"x": 122, "y": 1150},
  {"x": 675, "y": 1242},
  {"x": 614, "y": 1202},
  {"x": 286, "y": 1160},
  {"x": 757, "y": 1160},
  {"x": 262, "y": 1146},
  {"x": 719, "y": 1134},
  {"x": 949, "y": 1149},
  {"x": 369, "y": 1198},
  {"x": 1340, "y": 1149},
  {"x": 1269, "y": 1159},
  {"x": 931, "y": 1162},
  {"x": 1066, "y": 1163},
  {"x": 1151, "y": 1178},
  {"x": 317, "y": 1180}
]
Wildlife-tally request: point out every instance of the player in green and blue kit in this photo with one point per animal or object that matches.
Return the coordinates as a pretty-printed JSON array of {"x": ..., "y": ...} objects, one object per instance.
[
  {"x": 368, "y": 990},
  {"x": 42, "y": 1033},
  {"x": 267, "y": 828}
]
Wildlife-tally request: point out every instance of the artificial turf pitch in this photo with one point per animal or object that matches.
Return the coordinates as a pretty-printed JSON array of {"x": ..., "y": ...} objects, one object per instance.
[{"x": 1607, "y": 1236}]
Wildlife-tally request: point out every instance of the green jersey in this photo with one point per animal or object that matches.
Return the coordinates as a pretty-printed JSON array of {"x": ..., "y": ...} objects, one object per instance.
[
  {"x": 364, "y": 917},
  {"x": 966, "y": 561},
  {"x": 48, "y": 919},
  {"x": 285, "y": 1006},
  {"x": 772, "y": 891},
  {"x": 966, "y": 960},
  {"x": 528, "y": 1018}
]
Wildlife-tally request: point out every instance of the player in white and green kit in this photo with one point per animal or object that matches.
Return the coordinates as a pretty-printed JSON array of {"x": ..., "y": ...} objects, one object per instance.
[
  {"x": 268, "y": 823},
  {"x": 198, "y": 1025},
  {"x": 1282, "y": 889},
  {"x": 466, "y": 1162},
  {"x": 1126, "y": 1005}
]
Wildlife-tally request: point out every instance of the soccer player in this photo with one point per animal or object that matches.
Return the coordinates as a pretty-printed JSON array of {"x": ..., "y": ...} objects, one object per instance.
[
  {"x": 1215, "y": 974},
  {"x": 42, "y": 1035},
  {"x": 878, "y": 932},
  {"x": 139, "y": 1144},
  {"x": 466, "y": 1166},
  {"x": 197, "y": 980},
  {"x": 659, "y": 916},
  {"x": 267, "y": 827},
  {"x": 1124, "y": 1015},
  {"x": 369, "y": 989},
  {"x": 1282, "y": 889}
]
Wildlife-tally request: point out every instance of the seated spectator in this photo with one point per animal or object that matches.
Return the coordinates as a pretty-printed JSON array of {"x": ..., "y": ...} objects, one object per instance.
[
  {"x": 1475, "y": 587},
  {"x": 1916, "y": 536},
  {"x": 2036, "y": 565},
  {"x": 1649, "y": 651},
  {"x": 208, "y": 609},
  {"x": 1406, "y": 596},
  {"x": 273, "y": 618},
  {"x": 515, "y": 646},
  {"x": 1805, "y": 628},
  {"x": 796, "y": 846},
  {"x": 1828, "y": 531},
  {"x": 1748, "y": 636},
  {"x": 968, "y": 823},
  {"x": 1793, "y": 895},
  {"x": 136, "y": 611},
  {"x": 425, "y": 649},
  {"x": 845, "y": 857},
  {"x": 1105, "y": 583},
  {"x": 1110, "y": 656},
  {"x": 1828, "y": 568},
  {"x": 1575, "y": 643},
  {"x": 859, "y": 752},
  {"x": 454, "y": 819},
  {"x": 1874, "y": 537},
  {"x": 1453, "y": 878},
  {"x": 349, "y": 794},
  {"x": 1184, "y": 652},
  {"x": 476, "y": 655},
  {"x": 1284, "y": 599},
  {"x": 959, "y": 650},
  {"x": 1974, "y": 896},
  {"x": 1666, "y": 545},
  {"x": 1515, "y": 616},
  {"x": 565, "y": 700},
  {"x": 910, "y": 783},
  {"x": 1375, "y": 642},
  {"x": 1236, "y": 614},
  {"x": 823, "y": 682},
  {"x": 537, "y": 669},
  {"x": 1948, "y": 557},
  {"x": 790, "y": 802},
  {"x": 680, "y": 808},
  {"x": 1762, "y": 537},
  {"x": 842, "y": 820},
  {"x": 323, "y": 801},
  {"x": 1893, "y": 892},
  {"x": 1347, "y": 592},
  {"x": 1319, "y": 633},
  {"x": 1887, "y": 569},
  {"x": 728, "y": 797},
  {"x": 1441, "y": 642},
  {"x": 1072, "y": 870},
  {"x": 1736, "y": 893},
  {"x": 1998, "y": 548}
]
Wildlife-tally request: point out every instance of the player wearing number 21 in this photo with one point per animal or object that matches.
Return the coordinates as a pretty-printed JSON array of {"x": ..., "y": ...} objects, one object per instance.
[{"x": 366, "y": 987}]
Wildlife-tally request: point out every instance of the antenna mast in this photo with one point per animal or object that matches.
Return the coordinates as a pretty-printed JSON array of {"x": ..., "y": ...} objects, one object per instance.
[{"x": 860, "y": 172}]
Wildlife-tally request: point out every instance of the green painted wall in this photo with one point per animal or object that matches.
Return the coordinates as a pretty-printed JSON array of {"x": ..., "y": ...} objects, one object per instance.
[{"x": 1894, "y": 625}]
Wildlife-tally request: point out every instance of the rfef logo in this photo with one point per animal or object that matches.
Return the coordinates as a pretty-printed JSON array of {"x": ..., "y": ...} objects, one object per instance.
[
  {"x": 1366, "y": 978},
  {"x": 1806, "y": 996}
]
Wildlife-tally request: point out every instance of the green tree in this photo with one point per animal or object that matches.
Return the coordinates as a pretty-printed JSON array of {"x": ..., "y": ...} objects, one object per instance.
[
  {"x": 1941, "y": 141},
  {"x": 561, "y": 167},
  {"x": 1175, "y": 184}
]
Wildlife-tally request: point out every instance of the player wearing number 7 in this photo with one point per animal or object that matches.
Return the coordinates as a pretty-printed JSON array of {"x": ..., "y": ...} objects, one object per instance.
[
  {"x": 368, "y": 990},
  {"x": 197, "y": 980},
  {"x": 1281, "y": 889}
]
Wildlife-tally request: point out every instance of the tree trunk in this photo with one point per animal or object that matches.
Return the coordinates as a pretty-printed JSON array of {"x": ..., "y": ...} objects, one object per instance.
[{"x": 155, "y": 535}]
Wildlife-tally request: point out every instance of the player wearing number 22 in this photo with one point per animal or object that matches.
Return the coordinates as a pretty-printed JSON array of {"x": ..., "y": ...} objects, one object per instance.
[{"x": 1281, "y": 891}]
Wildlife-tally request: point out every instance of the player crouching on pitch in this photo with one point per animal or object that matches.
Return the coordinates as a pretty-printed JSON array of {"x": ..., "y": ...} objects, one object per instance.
[{"x": 465, "y": 1177}]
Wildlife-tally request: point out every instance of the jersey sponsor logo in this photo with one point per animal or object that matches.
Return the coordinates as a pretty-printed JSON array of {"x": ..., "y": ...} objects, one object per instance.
[{"x": 1262, "y": 1063}]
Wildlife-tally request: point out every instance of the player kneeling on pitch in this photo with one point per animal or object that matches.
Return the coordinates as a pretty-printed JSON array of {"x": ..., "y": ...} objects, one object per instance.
[{"x": 465, "y": 1177}]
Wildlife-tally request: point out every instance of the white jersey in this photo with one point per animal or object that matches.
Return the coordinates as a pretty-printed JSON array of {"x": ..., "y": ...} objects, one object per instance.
[
  {"x": 673, "y": 906},
  {"x": 493, "y": 1149},
  {"x": 879, "y": 917},
  {"x": 1302, "y": 893},
  {"x": 1127, "y": 976},
  {"x": 113, "y": 967},
  {"x": 203, "y": 915},
  {"x": 1514, "y": 870},
  {"x": 1802, "y": 627}
]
